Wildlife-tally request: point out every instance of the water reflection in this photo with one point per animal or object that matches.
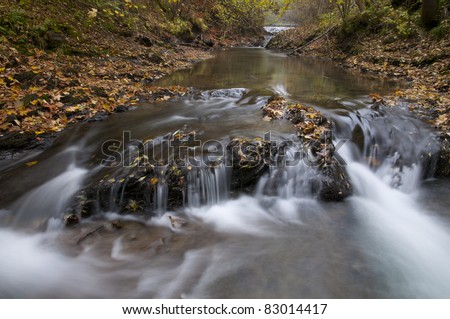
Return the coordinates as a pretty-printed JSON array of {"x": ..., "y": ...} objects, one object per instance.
[{"x": 305, "y": 79}]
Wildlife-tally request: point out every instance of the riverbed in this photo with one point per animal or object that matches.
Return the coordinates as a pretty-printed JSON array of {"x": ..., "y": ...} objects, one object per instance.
[{"x": 389, "y": 239}]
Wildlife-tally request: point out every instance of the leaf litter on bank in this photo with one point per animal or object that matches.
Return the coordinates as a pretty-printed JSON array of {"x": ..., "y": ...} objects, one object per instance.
[{"x": 60, "y": 89}]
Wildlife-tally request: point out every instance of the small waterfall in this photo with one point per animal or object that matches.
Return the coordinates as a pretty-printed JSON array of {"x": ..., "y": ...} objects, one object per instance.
[
  {"x": 162, "y": 191},
  {"x": 280, "y": 89},
  {"x": 291, "y": 177},
  {"x": 267, "y": 39},
  {"x": 388, "y": 141},
  {"x": 207, "y": 185},
  {"x": 406, "y": 245},
  {"x": 409, "y": 245},
  {"x": 233, "y": 93},
  {"x": 49, "y": 199},
  {"x": 272, "y": 31}
]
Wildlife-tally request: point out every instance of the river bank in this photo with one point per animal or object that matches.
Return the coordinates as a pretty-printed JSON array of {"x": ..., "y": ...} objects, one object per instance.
[{"x": 421, "y": 63}]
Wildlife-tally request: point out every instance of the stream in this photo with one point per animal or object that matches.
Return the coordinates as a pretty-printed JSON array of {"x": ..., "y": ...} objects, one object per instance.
[{"x": 390, "y": 239}]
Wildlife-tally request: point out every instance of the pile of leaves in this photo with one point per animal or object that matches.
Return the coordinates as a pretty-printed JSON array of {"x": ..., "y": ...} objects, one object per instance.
[
  {"x": 45, "y": 92},
  {"x": 312, "y": 128}
]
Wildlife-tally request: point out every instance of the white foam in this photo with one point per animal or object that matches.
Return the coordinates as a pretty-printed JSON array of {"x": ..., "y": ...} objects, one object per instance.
[{"x": 244, "y": 215}]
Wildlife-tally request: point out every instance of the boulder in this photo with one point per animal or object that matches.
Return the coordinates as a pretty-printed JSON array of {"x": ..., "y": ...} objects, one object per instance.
[
  {"x": 248, "y": 160},
  {"x": 331, "y": 181}
]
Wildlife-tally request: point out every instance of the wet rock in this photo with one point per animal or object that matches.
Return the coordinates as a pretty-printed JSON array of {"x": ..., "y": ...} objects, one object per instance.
[
  {"x": 177, "y": 222},
  {"x": 117, "y": 224},
  {"x": 157, "y": 93},
  {"x": 248, "y": 160},
  {"x": 331, "y": 181},
  {"x": 358, "y": 137},
  {"x": 334, "y": 183},
  {"x": 145, "y": 183},
  {"x": 98, "y": 117},
  {"x": 122, "y": 108},
  {"x": 443, "y": 161},
  {"x": 71, "y": 220},
  {"x": 87, "y": 208},
  {"x": 17, "y": 142}
]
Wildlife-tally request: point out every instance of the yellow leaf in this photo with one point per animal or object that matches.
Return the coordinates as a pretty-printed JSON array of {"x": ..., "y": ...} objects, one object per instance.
[
  {"x": 23, "y": 112},
  {"x": 107, "y": 107},
  {"x": 29, "y": 164},
  {"x": 39, "y": 132},
  {"x": 2, "y": 69},
  {"x": 34, "y": 102},
  {"x": 154, "y": 181},
  {"x": 16, "y": 88}
]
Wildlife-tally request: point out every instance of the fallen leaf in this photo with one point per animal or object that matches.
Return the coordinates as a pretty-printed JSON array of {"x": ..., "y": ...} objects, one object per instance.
[{"x": 29, "y": 164}]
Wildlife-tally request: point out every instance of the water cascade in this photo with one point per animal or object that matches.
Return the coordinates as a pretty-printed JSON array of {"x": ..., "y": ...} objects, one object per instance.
[{"x": 272, "y": 31}]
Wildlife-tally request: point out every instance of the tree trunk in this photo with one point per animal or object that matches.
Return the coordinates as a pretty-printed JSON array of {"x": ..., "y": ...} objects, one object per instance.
[
  {"x": 361, "y": 5},
  {"x": 430, "y": 10}
]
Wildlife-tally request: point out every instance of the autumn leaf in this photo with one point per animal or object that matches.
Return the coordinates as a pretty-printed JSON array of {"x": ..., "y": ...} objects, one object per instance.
[
  {"x": 23, "y": 112},
  {"x": 29, "y": 164}
]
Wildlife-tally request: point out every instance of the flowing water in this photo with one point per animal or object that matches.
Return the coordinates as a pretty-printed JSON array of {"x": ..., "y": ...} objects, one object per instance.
[
  {"x": 272, "y": 31},
  {"x": 389, "y": 240}
]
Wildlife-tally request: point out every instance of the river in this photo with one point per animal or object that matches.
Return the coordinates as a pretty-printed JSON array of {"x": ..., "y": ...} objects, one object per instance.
[{"x": 389, "y": 239}]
